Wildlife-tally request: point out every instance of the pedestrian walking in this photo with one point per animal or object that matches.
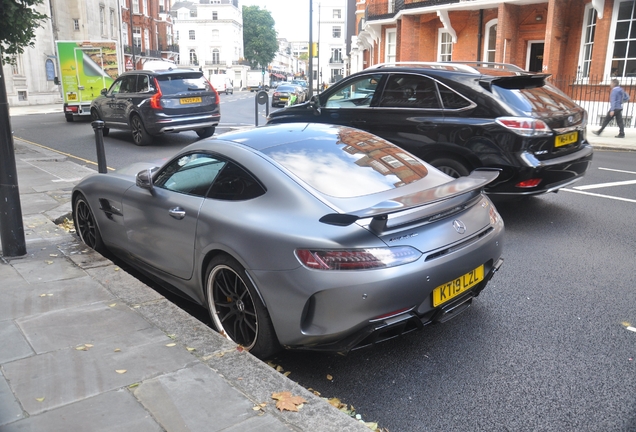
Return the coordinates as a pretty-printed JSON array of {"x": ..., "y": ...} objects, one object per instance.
[{"x": 617, "y": 98}]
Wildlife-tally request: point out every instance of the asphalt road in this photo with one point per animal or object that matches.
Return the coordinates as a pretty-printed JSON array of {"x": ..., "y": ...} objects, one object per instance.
[{"x": 548, "y": 346}]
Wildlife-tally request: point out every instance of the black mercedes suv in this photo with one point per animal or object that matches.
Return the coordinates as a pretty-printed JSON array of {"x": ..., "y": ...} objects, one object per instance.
[
  {"x": 462, "y": 116},
  {"x": 149, "y": 103}
]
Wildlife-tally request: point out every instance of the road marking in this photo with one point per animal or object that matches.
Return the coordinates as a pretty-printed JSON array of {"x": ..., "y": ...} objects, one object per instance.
[
  {"x": 602, "y": 185},
  {"x": 62, "y": 153},
  {"x": 599, "y": 195},
  {"x": 616, "y": 170}
]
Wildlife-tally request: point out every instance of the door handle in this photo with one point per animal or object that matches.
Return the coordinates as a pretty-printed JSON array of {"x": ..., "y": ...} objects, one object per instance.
[{"x": 177, "y": 213}]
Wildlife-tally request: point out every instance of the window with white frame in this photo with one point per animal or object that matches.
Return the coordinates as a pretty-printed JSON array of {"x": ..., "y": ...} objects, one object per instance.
[
  {"x": 193, "y": 13},
  {"x": 624, "y": 54},
  {"x": 391, "y": 6},
  {"x": 216, "y": 56},
  {"x": 193, "y": 57},
  {"x": 337, "y": 13},
  {"x": 336, "y": 32},
  {"x": 215, "y": 16},
  {"x": 135, "y": 6},
  {"x": 445, "y": 46},
  {"x": 124, "y": 32},
  {"x": 391, "y": 46},
  {"x": 76, "y": 24},
  {"x": 102, "y": 19},
  {"x": 112, "y": 23},
  {"x": 491, "y": 41},
  {"x": 336, "y": 55},
  {"x": 146, "y": 11},
  {"x": 146, "y": 40},
  {"x": 162, "y": 7},
  {"x": 191, "y": 35},
  {"x": 216, "y": 35},
  {"x": 587, "y": 40},
  {"x": 137, "y": 37}
]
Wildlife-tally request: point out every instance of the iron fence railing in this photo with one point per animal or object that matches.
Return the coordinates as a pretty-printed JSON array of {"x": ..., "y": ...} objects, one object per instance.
[{"x": 593, "y": 93}]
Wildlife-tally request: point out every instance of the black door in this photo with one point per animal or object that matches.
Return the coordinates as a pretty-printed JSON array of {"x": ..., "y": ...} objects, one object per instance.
[{"x": 536, "y": 57}]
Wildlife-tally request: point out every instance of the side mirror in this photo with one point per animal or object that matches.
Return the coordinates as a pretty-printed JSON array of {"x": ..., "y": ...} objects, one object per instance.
[
  {"x": 144, "y": 179},
  {"x": 314, "y": 103},
  {"x": 104, "y": 91}
]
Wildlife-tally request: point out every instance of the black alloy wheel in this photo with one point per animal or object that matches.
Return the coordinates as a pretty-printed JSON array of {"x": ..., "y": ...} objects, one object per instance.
[
  {"x": 236, "y": 309},
  {"x": 85, "y": 225},
  {"x": 139, "y": 134}
]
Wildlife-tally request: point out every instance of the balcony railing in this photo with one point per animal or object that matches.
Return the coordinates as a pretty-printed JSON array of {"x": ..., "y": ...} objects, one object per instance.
[
  {"x": 169, "y": 48},
  {"x": 384, "y": 9},
  {"x": 213, "y": 62},
  {"x": 335, "y": 60},
  {"x": 128, "y": 49}
]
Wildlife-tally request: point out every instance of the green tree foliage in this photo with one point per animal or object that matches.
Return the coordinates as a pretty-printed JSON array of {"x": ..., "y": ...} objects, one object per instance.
[
  {"x": 259, "y": 36},
  {"x": 18, "y": 21}
]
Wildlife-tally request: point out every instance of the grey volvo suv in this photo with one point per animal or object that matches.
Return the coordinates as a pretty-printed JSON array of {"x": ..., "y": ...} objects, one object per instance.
[{"x": 150, "y": 103}]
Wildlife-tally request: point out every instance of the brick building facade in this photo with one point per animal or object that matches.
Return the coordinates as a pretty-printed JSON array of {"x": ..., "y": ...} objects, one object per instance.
[{"x": 582, "y": 44}]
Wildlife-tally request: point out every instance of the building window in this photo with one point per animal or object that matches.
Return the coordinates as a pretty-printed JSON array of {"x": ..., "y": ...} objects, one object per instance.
[
  {"x": 191, "y": 35},
  {"x": 624, "y": 54},
  {"x": 336, "y": 32},
  {"x": 216, "y": 56},
  {"x": 215, "y": 16},
  {"x": 193, "y": 58},
  {"x": 336, "y": 55},
  {"x": 112, "y": 23},
  {"x": 16, "y": 67},
  {"x": 135, "y": 6},
  {"x": 22, "y": 95},
  {"x": 391, "y": 6},
  {"x": 146, "y": 40},
  {"x": 162, "y": 7},
  {"x": 445, "y": 47},
  {"x": 215, "y": 34},
  {"x": 102, "y": 19},
  {"x": 337, "y": 13},
  {"x": 124, "y": 32},
  {"x": 193, "y": 13},
  {"x": 589, "y": 30},
  {"x": 75, "y": 24},
  {"x": 491, "y": 41},
  {"x": 336, "y": 75},
  {"x": 137, "y": 37},
  {"x": 146, "y": 7},
  {"x": 391, "y": 46}
]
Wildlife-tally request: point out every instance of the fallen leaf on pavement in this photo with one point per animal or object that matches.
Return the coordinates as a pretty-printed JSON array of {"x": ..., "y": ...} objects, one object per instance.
[
  {"x": 88, "y": 345},
  {"x": 117, "y": 350},
  {"x": 171, "y": 344},
  {"x": 112, "y": 305},
  {"x": 133, "y": 385},
  {"x": 121, "y": 371},
  {"x": 39, "y": 399},
  {"x": 48, "y": 262},
  {"x": 329, "y": 377},
  {"x": 287, "y": 402},
  {"x": 191, "y": 349}
]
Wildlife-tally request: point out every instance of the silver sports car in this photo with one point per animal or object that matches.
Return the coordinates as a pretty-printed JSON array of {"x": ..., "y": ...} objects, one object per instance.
[{"x": 301, "y": 235}]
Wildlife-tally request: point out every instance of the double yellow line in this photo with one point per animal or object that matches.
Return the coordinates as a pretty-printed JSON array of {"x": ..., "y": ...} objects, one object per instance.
[{"x": 60, "y": 152}]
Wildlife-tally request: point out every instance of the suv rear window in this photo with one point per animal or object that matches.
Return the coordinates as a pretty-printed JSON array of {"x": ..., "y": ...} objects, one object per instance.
[
  {"x": 182, "y": 83},
  {"x": 545, "y": 99}
]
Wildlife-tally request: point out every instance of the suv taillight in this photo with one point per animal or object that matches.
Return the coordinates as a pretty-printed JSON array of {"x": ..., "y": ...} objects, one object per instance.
[
  {"x": 155, "y": 100},
  {"x": 216, "y": 94},
  {"x": 526, "y": 126}
]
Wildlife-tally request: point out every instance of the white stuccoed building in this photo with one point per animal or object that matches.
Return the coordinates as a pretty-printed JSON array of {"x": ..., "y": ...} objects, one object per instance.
[{"x": 210, "y": 37}]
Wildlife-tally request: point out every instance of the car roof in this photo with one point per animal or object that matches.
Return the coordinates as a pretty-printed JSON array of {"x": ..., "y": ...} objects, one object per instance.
[
  {"x": 271, "y": 135},
  {"x": 453, "y": 68},
  {"x": 169, "y": 71}
]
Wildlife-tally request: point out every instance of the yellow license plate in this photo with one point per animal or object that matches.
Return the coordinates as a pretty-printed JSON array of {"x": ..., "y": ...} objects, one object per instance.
[
  {"x": 452, "y": 289},
  {"x": 190, "y": 100},
  {"x": 71, "y": 96},
  {"x": 283, "y": 98},
  {"x": 561, "y": 140}
]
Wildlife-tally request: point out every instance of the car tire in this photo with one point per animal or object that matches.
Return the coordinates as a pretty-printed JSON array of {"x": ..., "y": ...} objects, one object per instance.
[
  {"x": 206, "y": 132},
  {"x": 95, "y": 116},
  {"x": 236, "y": 308},
  {"x": 141, "y": 137},
  {"x": 85, "y": 224},
  {"x": 451, "y": 167},
  {"x": 69, "y": 117}
]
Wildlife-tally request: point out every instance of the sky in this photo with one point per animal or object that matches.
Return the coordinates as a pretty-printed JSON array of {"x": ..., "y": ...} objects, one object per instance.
[{"x": 291, "y": 16}]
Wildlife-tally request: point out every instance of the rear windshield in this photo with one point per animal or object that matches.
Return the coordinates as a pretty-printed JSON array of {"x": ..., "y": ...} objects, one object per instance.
[
  {"x": 182, "y": 83},
  {"x": 355, "y": 164},
  {"x": 545, "y": 99}
]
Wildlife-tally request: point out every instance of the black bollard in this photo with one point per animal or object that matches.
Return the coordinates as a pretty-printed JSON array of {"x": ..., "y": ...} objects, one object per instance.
[{"x": 98, "y": 127}]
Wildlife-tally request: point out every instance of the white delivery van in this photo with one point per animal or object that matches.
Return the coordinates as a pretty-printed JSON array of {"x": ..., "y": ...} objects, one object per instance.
[{"x": 222, "y": 83}]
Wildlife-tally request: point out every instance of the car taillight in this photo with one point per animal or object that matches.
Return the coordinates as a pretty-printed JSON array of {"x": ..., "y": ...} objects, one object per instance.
[
  {"x": 526, "y": 126},
  {"x": 155, "y": 100},
  {"x": 530, "y": 183},
  {"x": 276, "y": 94},
  {"x": 357, "y": 259},
  {"x": 216, "y": 94}
]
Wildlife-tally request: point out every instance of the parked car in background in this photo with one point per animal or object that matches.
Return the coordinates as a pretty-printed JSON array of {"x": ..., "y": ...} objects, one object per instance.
[
  {"x": 150, "y": 103},
  {"x": 460, "y": 117},
  {"x": 301, "y": 235},
  {"x": 304, "y": 84},
  {"x": 284, "y": 92}
]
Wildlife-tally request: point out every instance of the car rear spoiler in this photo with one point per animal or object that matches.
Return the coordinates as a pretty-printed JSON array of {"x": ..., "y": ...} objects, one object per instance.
[
  {"x": 379, "y": 212},
  {"x": 525, "y": 80}
]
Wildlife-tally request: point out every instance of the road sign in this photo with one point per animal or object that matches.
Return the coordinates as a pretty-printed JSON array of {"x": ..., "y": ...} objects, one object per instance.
[{"x": 129, "y": 65}]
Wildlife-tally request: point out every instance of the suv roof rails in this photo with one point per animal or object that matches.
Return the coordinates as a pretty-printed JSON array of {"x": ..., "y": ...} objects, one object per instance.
[{"x": 458, "y": 66}]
